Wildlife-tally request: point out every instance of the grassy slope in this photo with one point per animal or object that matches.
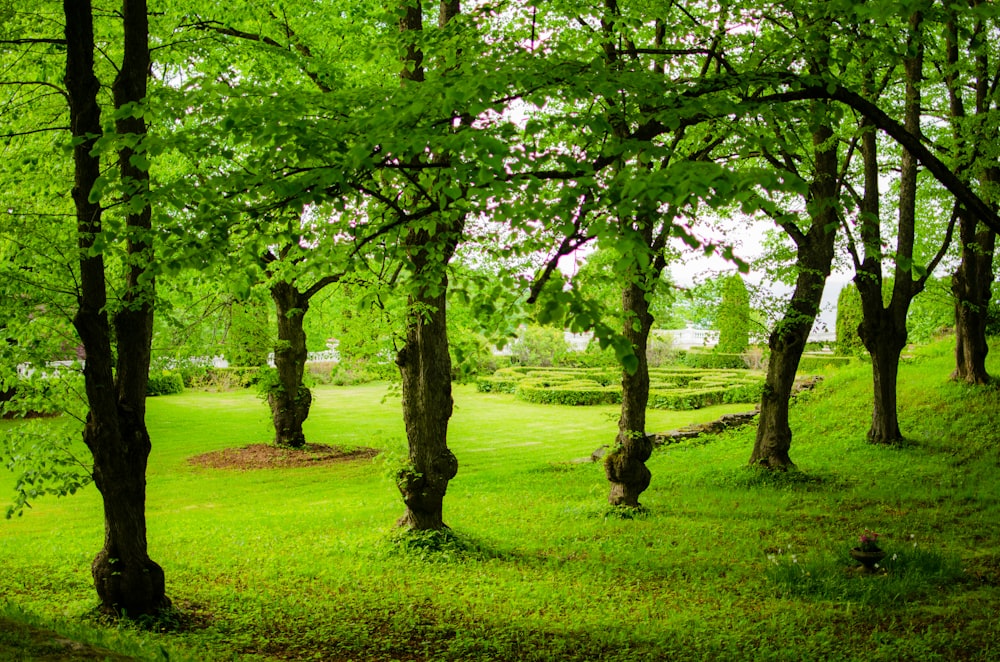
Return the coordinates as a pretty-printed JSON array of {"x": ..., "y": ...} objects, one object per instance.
[{"x": 299, "y": 563}]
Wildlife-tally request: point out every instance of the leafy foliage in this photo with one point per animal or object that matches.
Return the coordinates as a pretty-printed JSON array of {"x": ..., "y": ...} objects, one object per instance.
[{"x": 42, "y": 457}]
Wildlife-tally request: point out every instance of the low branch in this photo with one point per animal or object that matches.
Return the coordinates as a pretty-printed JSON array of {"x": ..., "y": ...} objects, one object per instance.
[
  {"x": 941, "y": 172},
  {"x": 25, "y": 42},
  {"x": 18, "y": 134}
]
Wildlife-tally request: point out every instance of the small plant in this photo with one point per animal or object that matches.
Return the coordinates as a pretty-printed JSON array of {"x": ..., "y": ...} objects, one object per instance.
[{"x": 868, "y": 542}]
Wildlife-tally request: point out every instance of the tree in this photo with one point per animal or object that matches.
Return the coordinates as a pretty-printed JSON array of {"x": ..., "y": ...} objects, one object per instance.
[
  {"x": 813, "y": 234},
  {"x": 973, "y": 159},
  {"x": 733, "y": 320},
  {"x": 424, "y": 360},
  {"x": 848, "y": 320},
  {"x": 883, "y": 329},
  {"x": 128, "y": 582}
]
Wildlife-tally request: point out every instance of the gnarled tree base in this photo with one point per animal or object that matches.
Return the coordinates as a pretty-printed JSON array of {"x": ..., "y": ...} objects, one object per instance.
[{"x": 133, "y": 591}]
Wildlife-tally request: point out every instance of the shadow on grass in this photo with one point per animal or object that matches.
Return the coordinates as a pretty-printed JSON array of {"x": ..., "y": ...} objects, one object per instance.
[{"x": 903, "y": 576}]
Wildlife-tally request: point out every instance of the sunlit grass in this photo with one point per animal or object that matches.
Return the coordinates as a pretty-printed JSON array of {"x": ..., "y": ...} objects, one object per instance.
[{"x": 303, "y": 563}]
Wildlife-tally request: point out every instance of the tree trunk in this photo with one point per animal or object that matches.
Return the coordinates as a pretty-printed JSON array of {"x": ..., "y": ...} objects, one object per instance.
[
  {"x": 885, "y": 348},
  {"x": 290, "y": 399},
  {"x": 787, "y": 341},
  {"x": 972, "y": 281},
  {"x": 425, "y": 368},
  {"x": 424, "y": 362},
  {"x": 127, "y": 581},
  {"x": 971, "y": 285},
  {"x": 883, "y": 328},
  {"x": 625, "y": 466}
]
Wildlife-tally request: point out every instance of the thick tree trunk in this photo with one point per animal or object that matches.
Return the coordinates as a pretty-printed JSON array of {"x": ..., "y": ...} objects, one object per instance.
[
  {"x": 972, "y": 281},
  {"x": 290, "y": 399},
  {"x": 971, "y": 285},
  {"x": 127, "y": 581},
  {"x": 424, "y": 362},
  {"x": 625, "y": 466},
  {"x": 787, "y": 341},
  {"x": 425, "y": 368},
  {"x": 885, "y": 348},
  {"x": 883, "y": 329}
]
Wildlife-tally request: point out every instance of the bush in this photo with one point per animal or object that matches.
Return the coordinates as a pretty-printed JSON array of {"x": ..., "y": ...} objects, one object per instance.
[
  {"x": 849, "y": 317},
  {"x": 578, "y": 393},
  {"x": 539, "y": 346},
  {"x": 164, "y": 382},
  {"x": 670, "y": 388},
  {"x": 362, "y": 371},
  {"x": 733, "y": 318},
  {"x": 222, "y": 379},
  {"x": 712, "y": 360}
]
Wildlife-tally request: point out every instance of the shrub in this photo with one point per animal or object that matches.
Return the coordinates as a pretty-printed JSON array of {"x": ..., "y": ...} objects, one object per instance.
[
  {"x": 717, "y": 360},
  {"x": 539, "y": 346},
  {"x": 362, "y": 371},
  {"x": 223, "y": 379},
  {"x": 670, "y": 388},
  {"x": 733, "y": 319},
  {"x": 849, "y": 317},
  {"x": 164, "y": 382},
  {"x": 576, "y": 393}
]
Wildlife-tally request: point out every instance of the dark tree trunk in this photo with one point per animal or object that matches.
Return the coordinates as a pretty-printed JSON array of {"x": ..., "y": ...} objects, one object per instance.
[
  {"x": 424, "y": 362},
  {"x": 885, "y": 348},
  {"x": 971, "y": 285},
  {"x": 625, "y": 466},
  {"x": 290, "y": 399},
  {"x": 787, "y": 341},
  {"x": 425, "y": 368},
  {"x": 972, "y": 281},
  {"x": 883, "y": 328},
  {"x": 127, "y": 581}
]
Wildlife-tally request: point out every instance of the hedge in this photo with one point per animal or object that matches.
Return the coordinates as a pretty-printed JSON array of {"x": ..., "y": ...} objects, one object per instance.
[
  {"x": 221, "y": 378},
  {"x": 164, "y": 383},
  {"x": 670, "y": 388},
  {"x": 710, "y": 360}
]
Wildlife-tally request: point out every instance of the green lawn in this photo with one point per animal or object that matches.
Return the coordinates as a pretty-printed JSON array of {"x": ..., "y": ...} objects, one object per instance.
[{"x": 726, "y": 564}]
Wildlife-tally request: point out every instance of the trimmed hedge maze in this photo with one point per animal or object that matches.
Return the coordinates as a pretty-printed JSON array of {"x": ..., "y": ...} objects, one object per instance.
[{"x": 676, "y": 388}]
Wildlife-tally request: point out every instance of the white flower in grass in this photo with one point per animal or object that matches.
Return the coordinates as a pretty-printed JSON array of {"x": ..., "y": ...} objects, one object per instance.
[{"x": 894, "y": 557}]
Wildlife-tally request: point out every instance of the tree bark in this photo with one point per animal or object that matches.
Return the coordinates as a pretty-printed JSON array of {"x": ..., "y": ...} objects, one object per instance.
[
  {"x": 290, "y": 399},
  {"x": 127, "y": 581},
  {"x": 814, "y": 259},
  {"x": 424, "y": 361},
  {"x": 625, "y": 466},
  {"x": 885, "y": 346},
  {"x": 972, "y": 280},
  {"x": 883, "y": 328},
  {"x": 971, "y": 285},
  {"x": 425, "y": 367}
]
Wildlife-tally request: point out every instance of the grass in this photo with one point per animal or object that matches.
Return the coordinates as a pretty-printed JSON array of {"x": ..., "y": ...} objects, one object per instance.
[{"x": 724, "y": 563}]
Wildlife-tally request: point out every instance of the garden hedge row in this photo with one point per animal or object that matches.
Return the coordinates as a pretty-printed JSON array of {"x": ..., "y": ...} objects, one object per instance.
[{"x": 670, "y": 388}]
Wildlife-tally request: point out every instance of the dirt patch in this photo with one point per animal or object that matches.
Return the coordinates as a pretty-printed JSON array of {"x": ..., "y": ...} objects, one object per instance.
[{"x": 267, "y": 456}]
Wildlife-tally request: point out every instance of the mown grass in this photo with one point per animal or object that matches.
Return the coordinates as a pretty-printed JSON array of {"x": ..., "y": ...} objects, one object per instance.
[{"x": 725, "y": 563}]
